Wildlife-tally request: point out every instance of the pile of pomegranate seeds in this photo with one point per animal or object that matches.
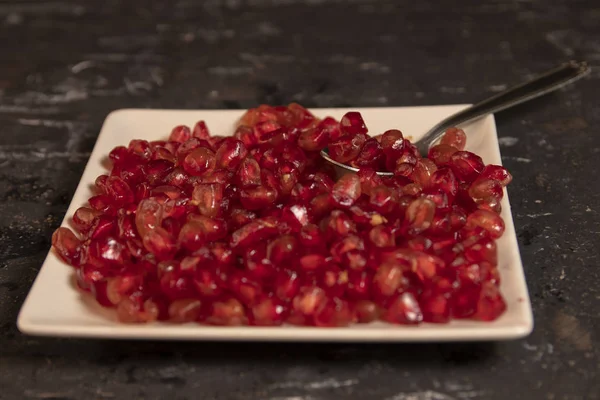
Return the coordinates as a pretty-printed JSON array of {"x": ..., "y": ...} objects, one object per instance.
[{"x": 255, "y": 230}]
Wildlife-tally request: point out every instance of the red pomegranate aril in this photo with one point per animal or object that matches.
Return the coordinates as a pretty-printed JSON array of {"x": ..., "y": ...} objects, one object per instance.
[
  {"x": 490, "y": 304},
  {"x": 441, "y": 154},
  {"x": 228, "y": 312},
  {"x": 488, "y": 220},
  {"x": 435, "y": 307},
  {"x": 484, "y": 250},
  {"x": 422, "y": 172},
  {"x": 258, "y": 198},
  {"x": 419, "y": 215},
  {"x": 119, "y": 155},
  {"x": 246, "y": 135},
  {"x": 199, "y": 161},
  {"x": 346, "y": 190},
  {"x": 201, "y": 131},
  {"x": 287, "y": 285},
  {"x": 148, "y": 216},
  {"x": 339, "y": 224},
  {"x": 230, "y": 154},
  {"x": 454, "y": 137},
  {"x": 83, "y": 219},
  {"x": 388, "y": 279},
  {"x": 308, "y": 300},
  {"x": 352, "y": 124},
  {"x": 366, "y": 311},
  {"x": 180, "y": 134},
  {"x": 103, "y": 226},
  {"x": 392, "y": 139},
  {"x": 483, "y": 188},
  {"x": 67, "y": 245},
  {"x": 359, "y": 284},
  {"x": 466, "y": 165},
  {"x": 140, "y": 149},
  {"x": 184, "y": 310},
  {"x": 160, "y": 243},
  {"x": 253, "y": 232},
  {"x": 444, "y": 179},
  {"x": 497, "y": 173},
  {"x": 383, "y": 199},
  {"x": 404, "y": 309},
  {"x": 368, "y": 180},
  {"x": 333, "y": 313},
  {"x": 282, "y": 249},
  {"x": 382, "y": 236},
  {"x": 346, "y": 148},
  {"x": 269, "y": 311},
  {"x": 248, "y": 174},
  {"x": 311, "y": 236},
  {"x": 314, "y": 139},
  {"x": 206, "y": 283},
  {"x": 209, "y": 198},
  {"x": 371, "y": 155},
  {"x": 295, "y": 215}
]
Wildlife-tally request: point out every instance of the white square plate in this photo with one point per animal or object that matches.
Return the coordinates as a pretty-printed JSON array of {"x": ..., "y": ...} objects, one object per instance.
[{"x": 54, "y": 307}]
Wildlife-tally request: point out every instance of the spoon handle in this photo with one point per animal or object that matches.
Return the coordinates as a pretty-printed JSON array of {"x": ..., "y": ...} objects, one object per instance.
[{"x": 542, "y": 84}]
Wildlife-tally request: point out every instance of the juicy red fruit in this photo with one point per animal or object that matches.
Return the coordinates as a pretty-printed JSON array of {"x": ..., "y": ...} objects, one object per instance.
[{"x": 255, "y": 229}]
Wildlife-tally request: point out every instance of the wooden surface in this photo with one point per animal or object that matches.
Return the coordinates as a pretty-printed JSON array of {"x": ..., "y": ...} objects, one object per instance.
[{"x": 65, "y": 65}]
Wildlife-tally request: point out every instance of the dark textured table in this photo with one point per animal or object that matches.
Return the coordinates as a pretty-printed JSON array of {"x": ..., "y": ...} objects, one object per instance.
[{"x": 65, "y": 65}]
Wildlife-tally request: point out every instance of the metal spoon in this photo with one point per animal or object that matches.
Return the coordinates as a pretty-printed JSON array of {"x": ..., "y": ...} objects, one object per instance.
[{"x": 542, "y": 84}]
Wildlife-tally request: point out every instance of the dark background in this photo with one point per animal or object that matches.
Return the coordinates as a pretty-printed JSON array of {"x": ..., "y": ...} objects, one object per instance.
[{"x": 65, "y": 65}]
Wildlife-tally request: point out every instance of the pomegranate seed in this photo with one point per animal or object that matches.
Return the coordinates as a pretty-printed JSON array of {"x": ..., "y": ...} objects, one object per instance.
[
  {"x": 209, "y": 198},
  {"x": 441, "y": 154},
  {"x": 199, "y": 161},
  {"x": 382, "y": 236},
  {"x": 282, "y": 249},
  {"x": 269, "y": 312},
  {"x": 483, "y": 188},
  {"x": 84, "y": 218},
  {"x": 454, "y": 137},
  {"x": 353, "y": 124},
  {"x": 339, "y": 224},
  {"x": 487, "y": 220},
  {"x": 201, "y": 131},
  {"x": 347, "y": 148},
  {"x": 496, "y": 173},
  {"x": 333, "y": 312},
  {"x": 184, "y": 310},
  {"x": 466, "y": 165},
  {"x": 67, "y": 245},
  {"x": 383, "y": 199},
  {"x": 359, "y": 284},
  {"x": 309, "y": 299},
  {"x": 160, "y": 243},
  {"x": 180, "y": 134},
  {"x": 229, "y": 312},
  {"x": 419, "y": 215},
  {"x": 248, "y": 174},
  {"x": 314, "y": 139},
  {"x": 230, "y": 154},
  {"x": 404, "y": 309},
  {"x": 435, "y": 307},
  {"x": 388, "y": 279},
  {"x": 346, "y": 190},
  {"x": 253, "y": 232},
  {"x": 258, "y": 198},
  {"x": 371, "y": 155},
  {"x": 491, "y": 304},
  {"x": 368, "y": 180},
  {"x": 366, "y": 311}
]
